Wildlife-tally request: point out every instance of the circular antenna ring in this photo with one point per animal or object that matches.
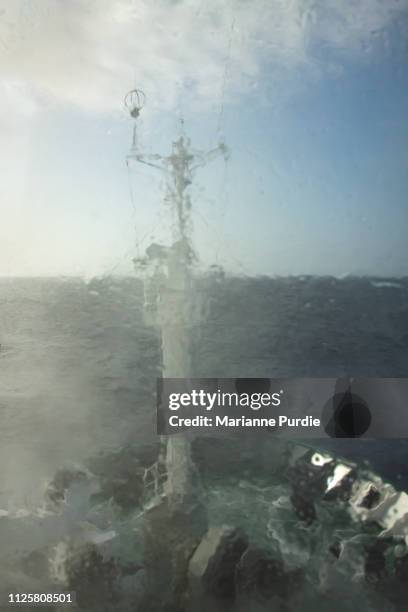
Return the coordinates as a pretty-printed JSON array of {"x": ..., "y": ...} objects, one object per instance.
[{"x": 134, "y": 102}]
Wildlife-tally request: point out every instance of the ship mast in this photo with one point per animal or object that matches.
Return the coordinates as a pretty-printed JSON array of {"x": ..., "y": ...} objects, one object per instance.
[{"x": 169, "y": 290}]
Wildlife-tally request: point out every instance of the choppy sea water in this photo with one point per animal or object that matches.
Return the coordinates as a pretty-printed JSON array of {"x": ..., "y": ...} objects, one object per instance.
[
  {"x": 78, "y": 368},
  {"x": 77, "y": 374}
]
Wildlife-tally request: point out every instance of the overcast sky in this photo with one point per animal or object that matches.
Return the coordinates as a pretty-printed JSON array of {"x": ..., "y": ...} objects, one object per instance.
[{"x": 311, "y": 97}]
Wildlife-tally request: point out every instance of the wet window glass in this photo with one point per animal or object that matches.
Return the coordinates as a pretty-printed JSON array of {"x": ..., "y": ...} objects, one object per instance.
[{"x": 202, "y": 190}]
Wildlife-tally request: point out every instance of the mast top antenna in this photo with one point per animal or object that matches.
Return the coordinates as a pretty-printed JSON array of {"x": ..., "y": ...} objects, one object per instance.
[{"x": 134, "y": 101}]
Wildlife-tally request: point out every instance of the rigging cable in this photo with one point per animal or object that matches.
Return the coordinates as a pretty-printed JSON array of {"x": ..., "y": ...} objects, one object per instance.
[
  {"x": 224, "y": 80},
  {"x": 214, "y": 232},
  {"x": 157, "y": 218},
  {"x": 223, "y": 194}
]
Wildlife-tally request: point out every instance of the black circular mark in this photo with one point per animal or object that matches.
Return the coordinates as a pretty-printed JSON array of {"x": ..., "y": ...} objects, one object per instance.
[
  {"x": 252, "y": 385},
  {"x": 346, "y": 415}
]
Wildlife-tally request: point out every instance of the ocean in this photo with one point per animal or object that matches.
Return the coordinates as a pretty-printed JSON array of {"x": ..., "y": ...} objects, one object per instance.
[{"x": 78, "y": 365}]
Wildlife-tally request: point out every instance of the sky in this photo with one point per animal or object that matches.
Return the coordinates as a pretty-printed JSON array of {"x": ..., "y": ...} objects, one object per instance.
[{"x": 310, "y": 96}]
